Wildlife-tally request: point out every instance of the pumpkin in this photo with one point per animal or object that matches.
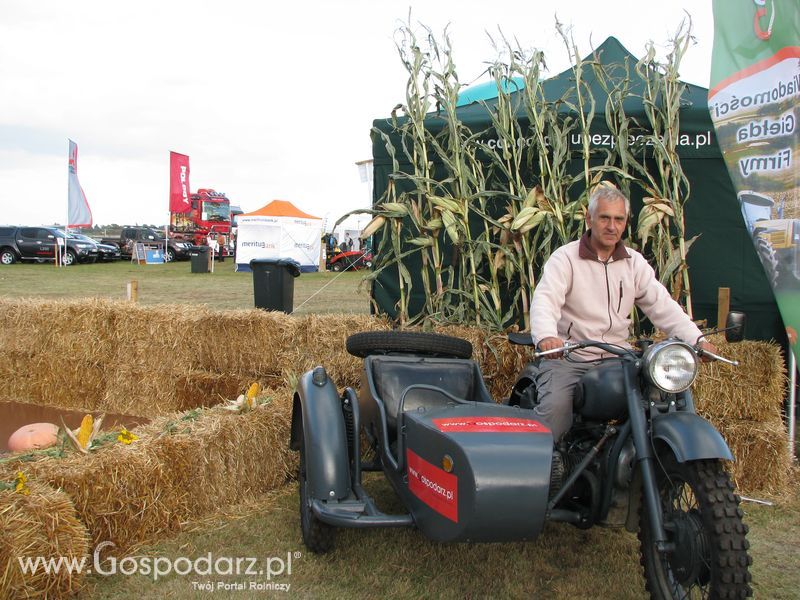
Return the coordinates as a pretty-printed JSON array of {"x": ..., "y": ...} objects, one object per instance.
[{"x": 33, "y": 437}]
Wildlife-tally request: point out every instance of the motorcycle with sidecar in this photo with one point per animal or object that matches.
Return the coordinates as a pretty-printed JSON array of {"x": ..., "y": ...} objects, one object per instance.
[{"x": 470, "y": 469}]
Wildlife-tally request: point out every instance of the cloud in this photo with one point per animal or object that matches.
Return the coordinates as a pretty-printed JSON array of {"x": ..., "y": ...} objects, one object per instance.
[{"x": 269, "y": 100}]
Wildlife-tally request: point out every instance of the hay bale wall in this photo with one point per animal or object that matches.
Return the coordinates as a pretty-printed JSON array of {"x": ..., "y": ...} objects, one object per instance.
[
  {"x": 148, "y": 361},
  {"x": 122, "y": 358},
  {"x": 182, "y": 467}
]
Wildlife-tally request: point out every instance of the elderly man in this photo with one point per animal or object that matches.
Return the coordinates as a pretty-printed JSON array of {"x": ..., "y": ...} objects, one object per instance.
[{"x": 587, "y": 291}]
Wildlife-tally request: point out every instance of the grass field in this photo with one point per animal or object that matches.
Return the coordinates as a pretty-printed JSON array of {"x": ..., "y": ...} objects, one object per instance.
[
  {"x": 563, "y": 563},
  {"x": 174, "y": 283}
]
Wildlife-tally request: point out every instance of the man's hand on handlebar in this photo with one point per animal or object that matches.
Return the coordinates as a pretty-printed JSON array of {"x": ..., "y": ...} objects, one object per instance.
[
  {"x": 707, "y": 347},
  {"x": 551, "y": 343}
]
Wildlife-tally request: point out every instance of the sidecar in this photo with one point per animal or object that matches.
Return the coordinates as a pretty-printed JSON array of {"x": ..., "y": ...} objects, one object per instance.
[{"x": 464, "y": 467}]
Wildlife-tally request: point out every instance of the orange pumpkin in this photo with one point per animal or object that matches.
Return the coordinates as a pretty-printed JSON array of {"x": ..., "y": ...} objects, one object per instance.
[{"x": 33, "y": 437}]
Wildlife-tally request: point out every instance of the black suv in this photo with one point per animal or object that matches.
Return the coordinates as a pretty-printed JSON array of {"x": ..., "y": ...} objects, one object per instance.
[{"x": 39, "y": 243}]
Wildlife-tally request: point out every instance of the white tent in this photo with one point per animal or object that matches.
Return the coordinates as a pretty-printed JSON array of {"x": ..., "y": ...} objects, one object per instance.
[{"x": 279, "y": 230}]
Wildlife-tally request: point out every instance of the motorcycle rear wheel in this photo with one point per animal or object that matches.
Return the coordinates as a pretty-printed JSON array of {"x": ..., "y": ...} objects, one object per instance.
[{"x": 702, "y": 518}]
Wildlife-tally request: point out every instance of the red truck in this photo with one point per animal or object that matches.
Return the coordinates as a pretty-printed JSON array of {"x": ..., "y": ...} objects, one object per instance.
[{"x": 209, "y": 216}]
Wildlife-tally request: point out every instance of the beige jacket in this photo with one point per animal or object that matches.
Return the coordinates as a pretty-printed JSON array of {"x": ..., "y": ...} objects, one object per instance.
[{"x": 579, "y": 297}]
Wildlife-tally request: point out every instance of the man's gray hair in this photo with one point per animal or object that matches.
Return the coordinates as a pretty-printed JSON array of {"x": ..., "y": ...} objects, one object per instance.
[{"x": 605, "y": 191}]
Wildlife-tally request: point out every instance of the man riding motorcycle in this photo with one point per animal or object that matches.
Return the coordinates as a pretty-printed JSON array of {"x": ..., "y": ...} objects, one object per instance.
[{"x": 587, "y": 291}]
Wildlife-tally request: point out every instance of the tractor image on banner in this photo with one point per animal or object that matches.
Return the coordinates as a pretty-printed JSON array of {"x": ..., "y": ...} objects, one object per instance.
[{"x": 755, "y": 84}]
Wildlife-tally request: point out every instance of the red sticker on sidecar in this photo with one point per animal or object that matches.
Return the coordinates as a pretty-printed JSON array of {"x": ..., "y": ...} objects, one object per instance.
[
  {"x": 490, "y": 425},
  {"x": 434, "y": 486}
]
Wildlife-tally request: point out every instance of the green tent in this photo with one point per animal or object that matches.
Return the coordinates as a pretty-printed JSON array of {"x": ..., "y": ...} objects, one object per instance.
[{"x": 723, "y": 256}]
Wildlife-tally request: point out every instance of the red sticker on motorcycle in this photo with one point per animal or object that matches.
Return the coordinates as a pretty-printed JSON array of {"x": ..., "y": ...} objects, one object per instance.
[
  {"x": 434, "y": 486},
  {"x": 490, "y": 424}
]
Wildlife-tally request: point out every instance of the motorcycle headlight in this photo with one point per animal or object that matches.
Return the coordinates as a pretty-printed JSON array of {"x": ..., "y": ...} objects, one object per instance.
[{"x": 671, "y": 366}]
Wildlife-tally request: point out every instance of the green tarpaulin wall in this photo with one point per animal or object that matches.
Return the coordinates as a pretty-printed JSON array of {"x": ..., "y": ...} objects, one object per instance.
[{"x": 723, "y": 256}]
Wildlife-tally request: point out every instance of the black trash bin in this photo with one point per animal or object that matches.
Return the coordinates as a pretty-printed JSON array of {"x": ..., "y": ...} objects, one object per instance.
[
  {"x": 273, "y": 283},
  {"x": 201, "y": 259}
]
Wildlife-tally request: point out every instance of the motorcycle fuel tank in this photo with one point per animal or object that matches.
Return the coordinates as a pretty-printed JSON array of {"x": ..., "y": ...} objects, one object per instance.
[{"x": 476, "y": 472}]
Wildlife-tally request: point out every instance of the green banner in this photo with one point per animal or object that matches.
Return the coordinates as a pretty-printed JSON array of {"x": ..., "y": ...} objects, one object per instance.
[{"x": 755, "y": 84}]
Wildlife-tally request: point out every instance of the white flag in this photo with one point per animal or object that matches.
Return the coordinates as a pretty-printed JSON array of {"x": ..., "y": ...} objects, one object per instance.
[{"x": 78, "y": 212}]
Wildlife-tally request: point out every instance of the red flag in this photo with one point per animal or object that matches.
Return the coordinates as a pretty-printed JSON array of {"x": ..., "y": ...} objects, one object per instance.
[{"x": 179, "y": 183}]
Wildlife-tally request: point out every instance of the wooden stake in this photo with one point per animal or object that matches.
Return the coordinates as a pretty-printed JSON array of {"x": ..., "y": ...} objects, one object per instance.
[
  {"x": 133, "y": 290},
  {"x": 723, "y": 305}
]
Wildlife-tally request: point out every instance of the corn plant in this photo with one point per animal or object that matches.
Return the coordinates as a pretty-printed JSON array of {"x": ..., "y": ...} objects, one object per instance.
[
  {"x": 457, "y": 207},
  {"x": 661, "y": 221}
]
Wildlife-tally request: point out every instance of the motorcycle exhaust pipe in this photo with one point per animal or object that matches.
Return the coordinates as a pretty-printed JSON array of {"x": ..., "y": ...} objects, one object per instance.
[{"x": 609, "y": 432}]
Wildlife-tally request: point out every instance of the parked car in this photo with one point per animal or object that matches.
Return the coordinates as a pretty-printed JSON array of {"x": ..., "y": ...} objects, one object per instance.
[
  {"x": 105, "y": 252},
  {"x": 348, "y": 261},
  {"x": 130, "y": 236},
  {"x": 39, "y": 244}
]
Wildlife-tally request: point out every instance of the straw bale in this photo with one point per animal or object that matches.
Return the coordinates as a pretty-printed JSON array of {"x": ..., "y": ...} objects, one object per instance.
[
  {"x": 320, "y": 340},
  {"x": 242, "y": 341},
  {"x": 117, "y": 491},
  {"x": 761, "y": 451},
  {"x": 203, "y": 388},
  {"x": 139, "y": 391},
  {"x": 752, "y": 391},
  {"x": 41, "y": 524}
]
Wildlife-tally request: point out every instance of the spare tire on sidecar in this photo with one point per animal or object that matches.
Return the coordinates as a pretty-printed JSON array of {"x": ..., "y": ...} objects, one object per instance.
[{"x": 368, "y": 343}]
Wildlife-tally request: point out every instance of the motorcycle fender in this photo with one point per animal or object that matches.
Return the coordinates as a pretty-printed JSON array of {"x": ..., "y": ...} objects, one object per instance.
[
  {"x": 317, "y": 409},
  {"x": 690, "y": 437}
]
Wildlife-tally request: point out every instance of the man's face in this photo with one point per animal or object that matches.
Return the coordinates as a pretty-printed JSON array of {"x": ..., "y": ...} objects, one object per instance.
[{"x": 608, "y": 224}]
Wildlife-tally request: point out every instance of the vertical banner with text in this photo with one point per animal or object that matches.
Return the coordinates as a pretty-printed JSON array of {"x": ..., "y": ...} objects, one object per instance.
[
  {"x": 78, "y": 212},
  {"x": 179, "y": 201},
  {"x": 753, "y": 100}
]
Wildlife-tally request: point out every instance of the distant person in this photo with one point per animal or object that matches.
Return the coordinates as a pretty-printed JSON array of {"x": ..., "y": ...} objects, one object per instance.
[
  {"x": 330, "y": 243},
  {"x": 348, "y": 243}
]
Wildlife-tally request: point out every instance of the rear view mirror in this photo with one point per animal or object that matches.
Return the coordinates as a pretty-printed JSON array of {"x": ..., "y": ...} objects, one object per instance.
[{"x": 734, "y": 326}]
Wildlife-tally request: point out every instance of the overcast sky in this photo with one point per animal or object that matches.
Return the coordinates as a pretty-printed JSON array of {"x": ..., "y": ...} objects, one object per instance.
[{"x": 269, "y": 100}]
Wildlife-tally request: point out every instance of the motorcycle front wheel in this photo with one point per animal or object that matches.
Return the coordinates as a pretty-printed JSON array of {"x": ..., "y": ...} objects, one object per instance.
[{"x": 703, "y": 520}]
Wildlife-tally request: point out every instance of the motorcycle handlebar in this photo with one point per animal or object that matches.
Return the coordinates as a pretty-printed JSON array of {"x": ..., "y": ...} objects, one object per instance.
[
  {"x": 569, "y": 346},
  {"x": 620, "y": 351},
  {"x": 701, "y": 352}
]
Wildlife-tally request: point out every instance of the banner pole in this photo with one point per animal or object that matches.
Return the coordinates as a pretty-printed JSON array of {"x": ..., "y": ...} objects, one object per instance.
[{"x": 792, "y": 408}]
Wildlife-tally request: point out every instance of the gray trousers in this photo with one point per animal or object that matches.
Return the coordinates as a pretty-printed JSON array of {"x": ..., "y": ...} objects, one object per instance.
[{"x": 555, "y": 387}]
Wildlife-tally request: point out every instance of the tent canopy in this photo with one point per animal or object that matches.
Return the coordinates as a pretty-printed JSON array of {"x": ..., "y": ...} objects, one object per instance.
[
  {"x": 279, "y": 208},
  {"x": 278, "y": 230},
  {"x": 723, "y": 255}
]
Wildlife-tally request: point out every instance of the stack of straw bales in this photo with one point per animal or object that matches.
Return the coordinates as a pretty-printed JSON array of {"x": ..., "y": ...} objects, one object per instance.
[
  {"x": 183, "y": 466},
  {"x": 744, "y": 403},
  {"x": 123, "y": 358},
  {"x": 119, "y": 357},
  {"x": 158, "y": 361}
]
